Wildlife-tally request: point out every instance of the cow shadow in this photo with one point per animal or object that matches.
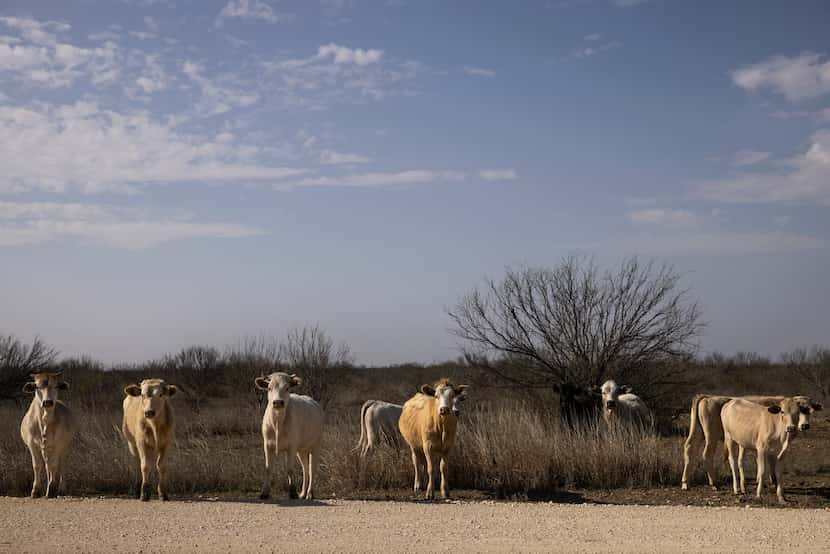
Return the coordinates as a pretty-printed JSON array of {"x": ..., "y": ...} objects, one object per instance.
[{"x": 281, "y": 502}]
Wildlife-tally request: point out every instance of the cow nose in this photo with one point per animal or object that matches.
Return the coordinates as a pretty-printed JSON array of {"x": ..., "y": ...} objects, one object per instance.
[
  {"x": 805, "y": 426},
  {"x": 48, "y": 403},
  {"x": 149, "y": 413},
  {"x": 610, "y": 404},
  {"x": 444, "y": 410},
  {"x": 278, "y": 403}
]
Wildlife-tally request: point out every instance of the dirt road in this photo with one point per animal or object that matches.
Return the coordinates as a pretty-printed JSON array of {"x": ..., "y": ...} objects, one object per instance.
[{"x": 108, "y": 525}]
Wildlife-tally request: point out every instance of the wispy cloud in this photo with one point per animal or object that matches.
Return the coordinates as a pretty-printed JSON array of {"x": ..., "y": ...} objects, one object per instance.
[
  {"x": 217, "y": 97},
  {"x": 479, "y": 71},
  {"x": 663, "y": 217},
  {"x": 796, "y": 78},
  {"x": 749, "y": 157},
  {"x": 331, "y": 157},
  {"x": 23, "y": 223},
  {"x": 382, "y": 179},
  {"x": 249, "y": 10},
  {"x": 498, "y": 174}
]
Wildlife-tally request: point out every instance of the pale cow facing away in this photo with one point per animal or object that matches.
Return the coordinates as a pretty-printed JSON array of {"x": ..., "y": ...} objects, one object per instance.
[
  {"x": 766, "y": 429},
  {"x": 149, "y": 426},
  {"x": 428, "y": 425},
  {"x": 292, "y": 425},
  {"x": 706, "y": 428},
  {"x": 47, "y": 429},
  {"x": 619, "y": 405},
  {"x": 379, "y": 423}
]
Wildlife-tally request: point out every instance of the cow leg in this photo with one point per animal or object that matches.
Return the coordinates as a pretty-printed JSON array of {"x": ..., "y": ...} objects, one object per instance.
[
  {"x": 304, "y": 456},
  {"x": 692, "y": 441},
  {"x": 762, "y": 463},
  {"x": 270, "y": 448},
  {"x": 431, "y": 458},
  {"x": 741, "y": 451},
  {"x": 709, "y": 448},
  {"x": 51, "y": 473},
  {"x": 444, "y": 465},
  {"x": 314, "y": 464},
  {"x": 137, "y": 473},
  {"x": 292, "y": 489},
  {"x": 38, "y": 469},
  {"x": 779, "y": 487},
  {"x": 730, "y": 448},
  {"x": 144, "y": 456},
  {"x": 161, "y": 467},
  {"x": 416, "y": 464},
  {"x": 772, "y": 462}
]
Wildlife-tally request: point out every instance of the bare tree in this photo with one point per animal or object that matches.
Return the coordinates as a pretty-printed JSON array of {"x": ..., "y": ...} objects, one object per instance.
[
  {"x": 311, "y": 353},
  {"x": 812, "y": 367},
  {"x": 574, "y": 323},
  {"x": 197, "y": 368},
  {"x": 17, "y": 361}
]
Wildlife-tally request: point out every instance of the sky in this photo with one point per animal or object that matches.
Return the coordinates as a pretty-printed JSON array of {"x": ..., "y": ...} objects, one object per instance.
[{"x": 177, "y": 172}]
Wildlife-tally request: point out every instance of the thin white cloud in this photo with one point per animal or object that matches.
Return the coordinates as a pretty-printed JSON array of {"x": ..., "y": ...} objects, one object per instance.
[
  {"x": 26, "y": 223},
  {"x": 331, "y": 157},
  {"x": 344, "y": 55},
  {"x": 588, "y": 51},
  {"x": 250, "y": 10},
  {"x": 749, "y": 157},
  {"x": 498, "y": 174},
  {"x": 479, "y": 71},
  {"x": 217, "y": 97},
  {"x": 381, "y": 179},
  {"x": 796, "y": 78},
  {"x": 83, "y": 147},
  {"x": 592, "y": 37},
  {"x": 663, "y": 217},
  {"x": 801, "y": 178}
]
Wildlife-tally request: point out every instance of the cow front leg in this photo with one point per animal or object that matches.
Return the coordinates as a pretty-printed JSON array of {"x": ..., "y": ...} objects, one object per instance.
[
  {"x": 289, "y": 457},
  {"x": 730, "y": 448},
  {"x": 444, "y": 487},
  {"x": 431, "y": 459},
  {"x": 303, "y": 456},
  {"x": 741, "y": 451},
  {"x": 779, "y": 486},
  {"x": 416, "y": 464},
  {"x": 145, "y": 474},
  {"x": 313, "y": 466},
  {"x": 38, "y": 469},
  {"x": 161, "y": 467},
  {"x": 52, "y": 472},
  {"x": 270, "y": 448},
  {"x": 762, "y": 467}
]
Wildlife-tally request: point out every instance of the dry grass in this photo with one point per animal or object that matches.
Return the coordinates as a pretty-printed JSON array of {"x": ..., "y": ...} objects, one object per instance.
[{"x": 507, "y": 449}]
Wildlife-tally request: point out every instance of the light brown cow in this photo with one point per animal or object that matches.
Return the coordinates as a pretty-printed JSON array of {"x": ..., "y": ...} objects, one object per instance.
[
  {"x": 428, "y": 425},
  {"x": 149, "y": 428},
  {"x": 766, "y": 429},
  {"x": 47, "y": 429},
  {"x": 292, "y": 424},
  {"x": 705, "y": 427}
]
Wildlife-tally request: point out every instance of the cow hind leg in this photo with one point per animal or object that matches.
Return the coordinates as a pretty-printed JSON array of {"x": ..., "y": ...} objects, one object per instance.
[
  {"x": 431, "y": 459},
  {"x": 779, "y": 487},
  {"x": 741, "y": 451},
  {"x": 292, "y": 489},
  {"x": 313, "y": 466},
  {"x": 692, "y": 442},
  {"x": 161, "y": 467},
  {"x": 762, "y": 463},
  {"x": 709, "y": 448},
  {"x": 444, "y": 466},
  {"x": 38, "y": 469},
  {"x": 416, "y": 464},
  {"x": 269, "y": 446},
  {"x": 730, "y": 449},
  {"x": 51, "y": 474},
  {"x": 304, "y": 462}
]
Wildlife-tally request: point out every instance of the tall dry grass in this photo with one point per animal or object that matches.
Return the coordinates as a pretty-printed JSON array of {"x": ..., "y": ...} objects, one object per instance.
[{"x": 508, "y": 449}]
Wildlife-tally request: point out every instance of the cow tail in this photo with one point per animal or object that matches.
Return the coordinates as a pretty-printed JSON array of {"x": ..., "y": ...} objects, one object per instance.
[
  {"x": 363, "y": 435},
  {"x": 695, "y": 426}
]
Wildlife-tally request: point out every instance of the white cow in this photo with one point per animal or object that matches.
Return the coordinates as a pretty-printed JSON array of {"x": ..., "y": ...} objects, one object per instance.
[
  {"x": 47, "y": 429},
  {"x": 620, "y": 405},
  {"x": 292, "y": 424},
  {"x": 766, "y": 429}
]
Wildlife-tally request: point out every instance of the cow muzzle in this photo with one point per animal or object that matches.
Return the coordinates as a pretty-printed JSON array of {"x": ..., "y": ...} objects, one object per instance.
[
  {"x": 149, "y": 414},
  {"x": 805, "y": 426},
  {"x": 610, "y": 404},
  {"x": 444, "y": 410},
  {"x": 278, "y": 404},
  {"x": 48, "y": 403}
]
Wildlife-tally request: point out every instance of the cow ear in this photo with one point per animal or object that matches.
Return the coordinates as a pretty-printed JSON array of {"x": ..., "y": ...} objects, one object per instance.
[
  {"x": 29, "y": 387},
  {"x": 171, "y": 390},
  {"x": 63, "y": 385},
  {"x": 262, "y": 383},
  {"x": 626, "y": 389},
  {"x": 295, "y": 381},
  {"x": 133, "y": 390},
  {"x": 774, "y": 409},
  {"x": 427, "y": 390},
  {"x": 816, "y": 406},
  {"x": 461, "y": 391}
]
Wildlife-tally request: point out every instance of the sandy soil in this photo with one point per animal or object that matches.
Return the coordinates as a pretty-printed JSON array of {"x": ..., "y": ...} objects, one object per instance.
[{"x": 109, "y": 524}]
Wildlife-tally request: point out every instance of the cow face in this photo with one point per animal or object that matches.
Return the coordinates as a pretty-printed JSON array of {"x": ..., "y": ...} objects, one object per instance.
[
  {"x": 449, "y": 397},
  {"x": 279, "y": 387},
  {"x": 45, "y": 387},
  {"x": 806, "y": 408},
  {"x": 611, "y": 393},
  {"x": 153, "y": 393},
  {"x": 792, "y": 414}
]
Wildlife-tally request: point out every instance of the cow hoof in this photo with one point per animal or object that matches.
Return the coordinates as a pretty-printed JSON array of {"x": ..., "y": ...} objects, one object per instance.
[
  {"x": 309, "y": 496},
  {"x": 684, "y": 487},
  {"x": 164, "y": 497},
  {"x": 264, "y": 495},
  {"x": 51, "y": 494},
  {"x": 145, "y": 497},
  {"x": 293, "y": 493},
  {"x": 35, "y": 494}
]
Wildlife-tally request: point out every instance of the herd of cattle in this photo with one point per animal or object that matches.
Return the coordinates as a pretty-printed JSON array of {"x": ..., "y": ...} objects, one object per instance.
[{"x": 292, "y": 426}]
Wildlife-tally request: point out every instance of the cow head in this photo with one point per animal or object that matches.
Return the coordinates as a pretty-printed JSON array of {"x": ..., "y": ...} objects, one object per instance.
[
  {"x": 279, "y": 387},
  {"x": 794, "y": 413},
  {"x": 449, "y": 396},
  {"x": 611, "y": 393},
  {"x": 45, "y": 387},
  {"x": 806, "y": 407},
  {"x": 153, "y": 393}
]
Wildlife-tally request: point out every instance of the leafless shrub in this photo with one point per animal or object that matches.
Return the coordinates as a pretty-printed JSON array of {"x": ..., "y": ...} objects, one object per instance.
[
  {"x": 812, "y": 367},
  {"x": 17, "y": 361},
  {"x": 312, "y": 354}
]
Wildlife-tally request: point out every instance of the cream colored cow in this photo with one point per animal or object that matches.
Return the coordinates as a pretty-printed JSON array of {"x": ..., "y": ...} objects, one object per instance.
[
  {"x": 293, "y": 425},
  {"x": 766, "y": 429},
  {"x": 149, "y": 426},
  {"x": 620, "y": 405},
  {"x": 705, "y": 428},
  {"x": 428, "y": 425},
  {"x": 47, "y": 429}
]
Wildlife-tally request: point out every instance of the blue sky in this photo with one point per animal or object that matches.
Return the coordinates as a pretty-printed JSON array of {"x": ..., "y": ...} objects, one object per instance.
[{"x": 179, "y": 172}]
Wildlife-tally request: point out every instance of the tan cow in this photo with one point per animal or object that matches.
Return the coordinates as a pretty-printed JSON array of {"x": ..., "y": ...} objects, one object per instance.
[
  {"x": 766, "y": 429},
  {"x": 292, "y": 424},
  {"x": 47, "y": 429},
  {"x": 149, "y": 428},
  {"x": 428, "y": 425},
  {"x": 705, "y": 427}
]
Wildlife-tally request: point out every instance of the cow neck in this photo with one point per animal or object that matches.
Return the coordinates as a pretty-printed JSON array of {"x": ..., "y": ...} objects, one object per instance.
[
  {"x": 160, "y": 419},
  {"x": 281, "y": 417},
  {"x": 43, "y": 416},
  {"x": 445, "y": 424}
]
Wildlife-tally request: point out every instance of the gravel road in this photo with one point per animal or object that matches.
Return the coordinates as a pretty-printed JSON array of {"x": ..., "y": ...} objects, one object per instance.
[{"x": 112, "y": 525}]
